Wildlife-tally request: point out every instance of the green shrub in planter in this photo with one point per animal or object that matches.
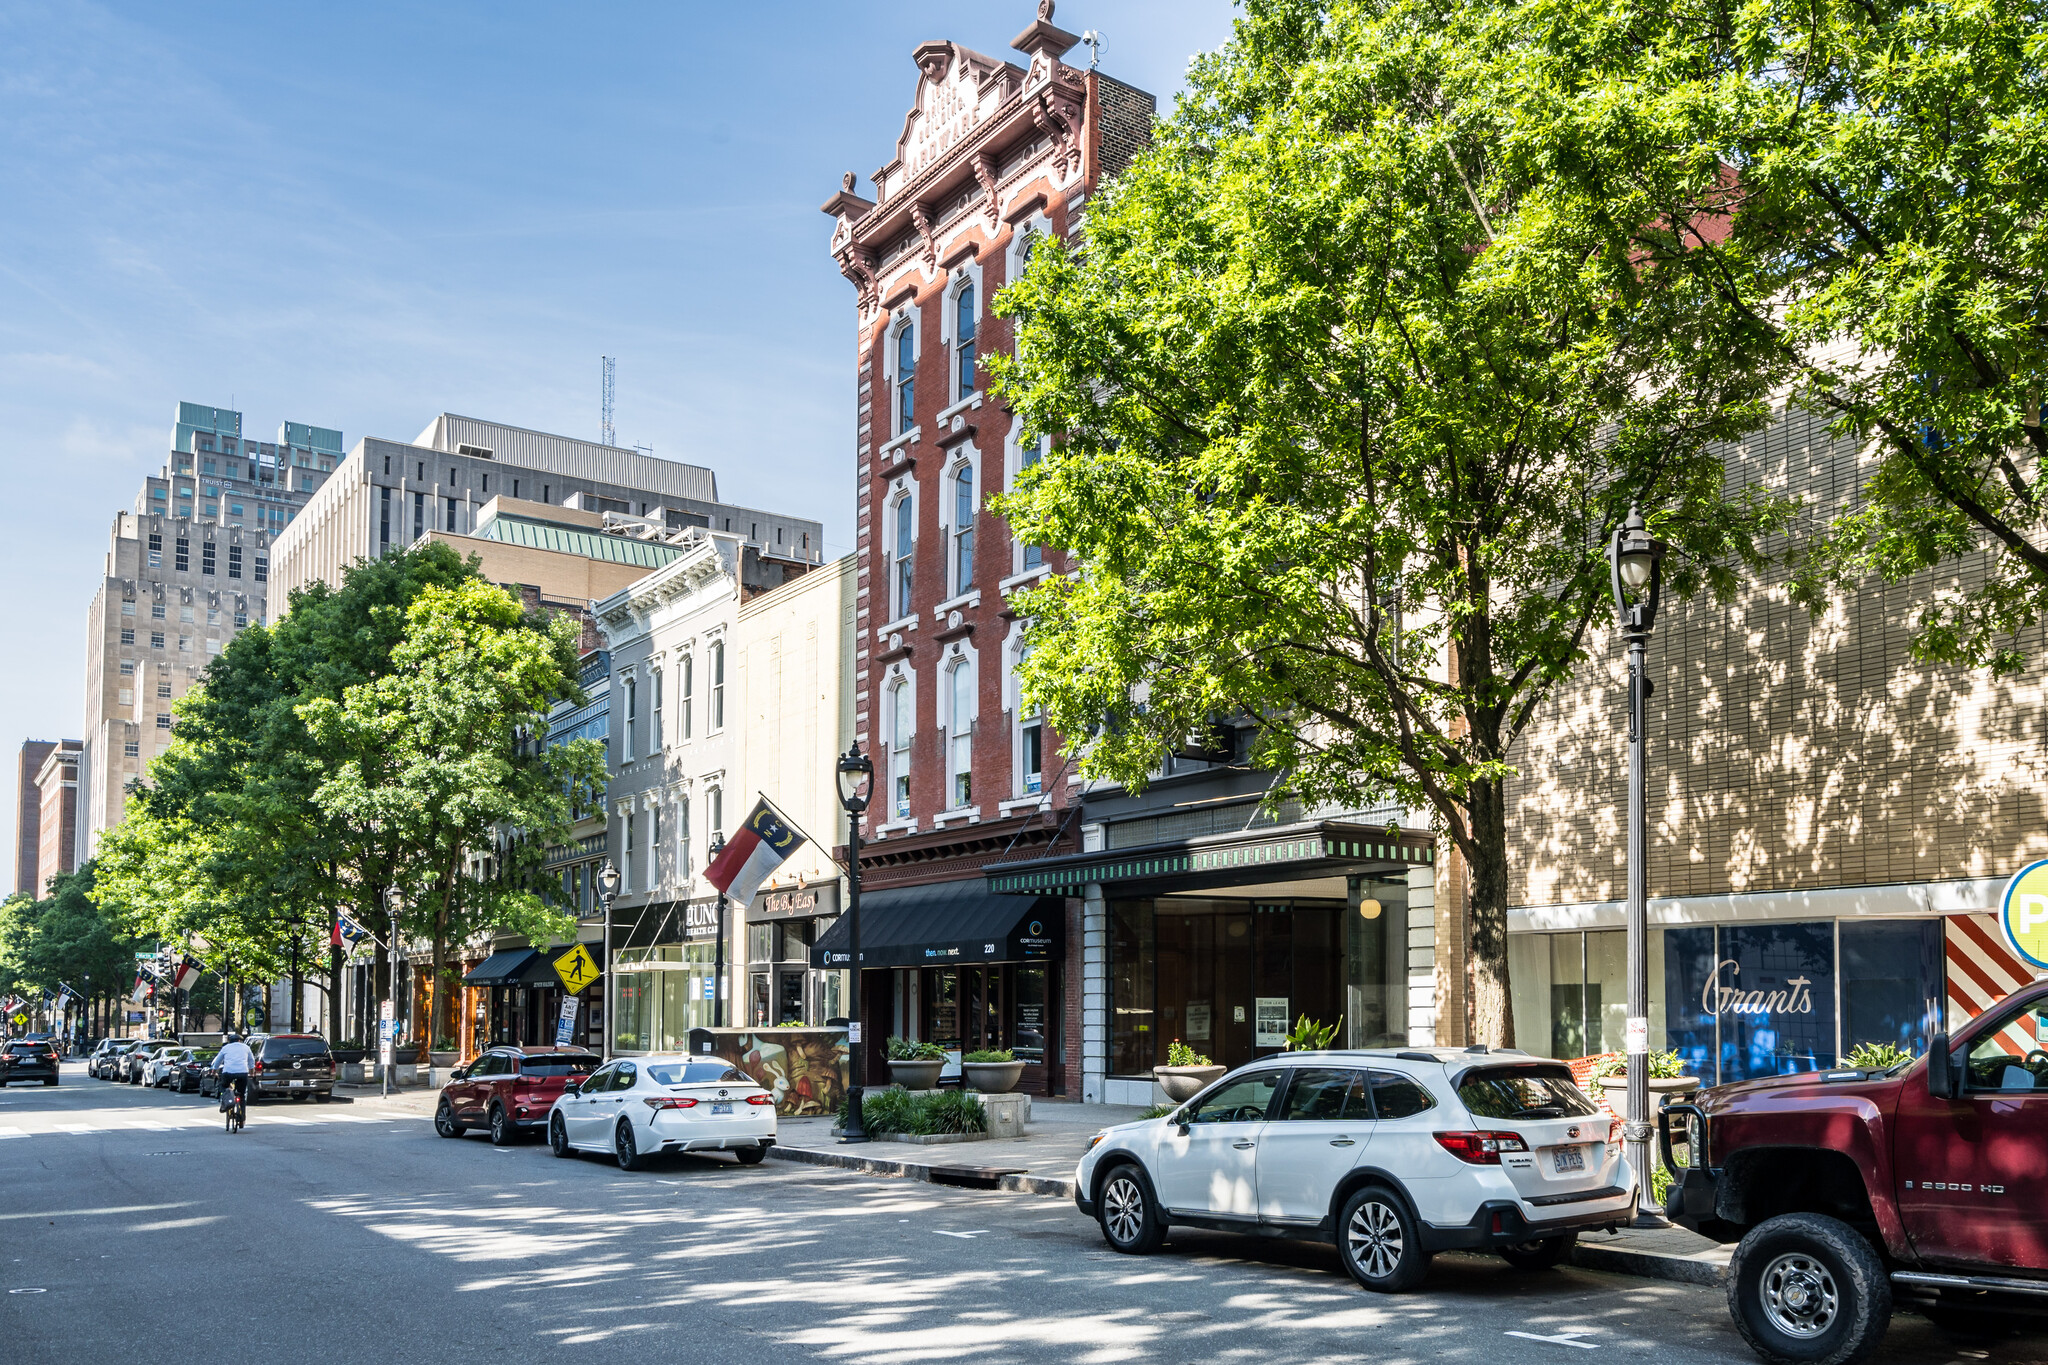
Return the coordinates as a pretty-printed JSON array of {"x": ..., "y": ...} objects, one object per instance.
[
  {"x": 1001, "y": 1054},
  {"x": 896, "y": 1110},
  {"x": 903, "y": 1050}
]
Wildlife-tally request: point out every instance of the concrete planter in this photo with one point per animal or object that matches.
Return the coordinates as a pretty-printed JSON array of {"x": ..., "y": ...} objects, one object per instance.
[
  {"x": 1617, "y": 1086},
  {"x": 444, "y": 1059},
  {"x": 993, "y": 1078},
  {"x": 917, "y": 1075},
  {"x": 1184, "y": 1082}
]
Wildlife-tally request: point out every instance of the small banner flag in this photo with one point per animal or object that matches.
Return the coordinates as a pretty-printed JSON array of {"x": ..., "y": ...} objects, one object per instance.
[
  {"x": 348, "y": 931},
  {"x": 186, "y": 975},
  {"x": 763, "y": 844}
]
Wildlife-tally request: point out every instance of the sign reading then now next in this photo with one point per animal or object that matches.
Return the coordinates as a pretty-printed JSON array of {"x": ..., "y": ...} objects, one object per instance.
[{"x": 2023, "y": 914}]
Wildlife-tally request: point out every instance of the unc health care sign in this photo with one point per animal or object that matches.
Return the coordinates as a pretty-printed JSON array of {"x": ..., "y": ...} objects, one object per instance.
[{"x": 2023, "y": 914}]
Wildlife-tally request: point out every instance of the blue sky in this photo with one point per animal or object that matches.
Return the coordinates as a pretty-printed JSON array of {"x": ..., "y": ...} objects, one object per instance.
[{"x": 361, "y": 215}]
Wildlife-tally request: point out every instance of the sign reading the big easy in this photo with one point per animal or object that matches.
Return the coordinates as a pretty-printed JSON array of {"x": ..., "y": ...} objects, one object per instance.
[{"x": 2023, "y": 914}]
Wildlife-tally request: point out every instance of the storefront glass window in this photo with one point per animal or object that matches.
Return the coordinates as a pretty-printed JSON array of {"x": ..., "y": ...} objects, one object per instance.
[
  {"x": 657, "y": 1009},
  {"x": 1569, "y": 992},
  {"x": 1029, "y": 1028},
  {"x": 1230, "y": 977},
  {"x": 1891, "y": 982}
]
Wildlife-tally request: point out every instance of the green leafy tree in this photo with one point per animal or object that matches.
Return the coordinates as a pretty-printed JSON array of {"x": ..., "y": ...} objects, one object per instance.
[
  {"x": 65, "y": 939},
  {"x": 1880, "y": 219},
  {"x": 1350, "y": 396},
  {"x": 448, "y": 761}
]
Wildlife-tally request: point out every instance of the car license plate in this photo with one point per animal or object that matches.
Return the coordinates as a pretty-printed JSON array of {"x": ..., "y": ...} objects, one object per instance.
[
  {"x": 298, "y": 1082},
  {"x": 721, "y": 1109},
  {"x": 1568, "y": 1159}
]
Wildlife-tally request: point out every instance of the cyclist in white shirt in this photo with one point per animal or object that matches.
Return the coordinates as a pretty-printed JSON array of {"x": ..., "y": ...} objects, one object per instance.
[{"x": 234, "y": 1062}]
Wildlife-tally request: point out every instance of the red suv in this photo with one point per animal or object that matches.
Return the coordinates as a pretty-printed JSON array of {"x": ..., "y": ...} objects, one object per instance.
[{"x": 509, "y": 1088}]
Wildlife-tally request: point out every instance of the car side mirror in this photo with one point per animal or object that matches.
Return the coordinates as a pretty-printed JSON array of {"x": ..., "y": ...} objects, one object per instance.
[
  {"x": 460, "y": 1073},
  {"x": 1941, "y": 1069}
]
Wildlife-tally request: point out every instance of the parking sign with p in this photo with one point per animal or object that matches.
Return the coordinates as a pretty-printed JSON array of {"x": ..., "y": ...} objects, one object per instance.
[{"x": 2023, "y": 915}]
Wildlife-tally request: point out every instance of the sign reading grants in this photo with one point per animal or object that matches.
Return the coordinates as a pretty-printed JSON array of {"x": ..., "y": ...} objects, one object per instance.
[{"x": 2023, "y": 914}]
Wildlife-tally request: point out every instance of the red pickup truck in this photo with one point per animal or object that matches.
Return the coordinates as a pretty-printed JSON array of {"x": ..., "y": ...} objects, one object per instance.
[{"x": 1850, "y": 1191}]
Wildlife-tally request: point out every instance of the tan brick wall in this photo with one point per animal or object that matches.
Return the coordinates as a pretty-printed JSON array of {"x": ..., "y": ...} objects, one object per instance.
[{"x": 1786, "y": 751}]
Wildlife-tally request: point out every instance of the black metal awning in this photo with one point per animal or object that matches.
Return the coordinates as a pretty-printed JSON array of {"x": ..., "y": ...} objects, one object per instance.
[
  {"x": 1321, "y": 848},
  {"x": 947, "y": 922},
  {"x": 501, "y": 968}
]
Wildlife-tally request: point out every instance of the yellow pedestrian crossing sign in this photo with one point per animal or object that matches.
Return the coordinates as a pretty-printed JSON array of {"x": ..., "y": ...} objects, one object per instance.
[{"x": 575, "y": 968}]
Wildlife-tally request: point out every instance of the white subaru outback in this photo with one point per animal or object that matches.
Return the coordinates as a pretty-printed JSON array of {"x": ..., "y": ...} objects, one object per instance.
[{"x": 1393, "y": 1155}]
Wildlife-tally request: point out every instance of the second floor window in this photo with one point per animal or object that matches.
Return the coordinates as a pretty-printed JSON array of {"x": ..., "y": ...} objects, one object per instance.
[
  {"x": 964, "y": 345},
  {"x": 632, "y": 717},
  {"x": 906, "y": 377},
  {"x": 899, "y": 751},
  {"x": 717, "y": 686},
  {"x": 906, "y": 547},
  {"x": 960, "y": 738},
  {"x": 1034, "y": 555},
  {"x": 684, "y": 692},
  {"x": 963, "y": 527},
  {"x": 654, "y": 730},
  {"x": 683, "y": 868}
]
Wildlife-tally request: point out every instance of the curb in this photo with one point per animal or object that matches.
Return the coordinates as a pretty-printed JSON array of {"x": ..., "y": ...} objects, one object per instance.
[
  {"x": 1649, "y": 1265},
  {"x": 1054, "y": 1186}
]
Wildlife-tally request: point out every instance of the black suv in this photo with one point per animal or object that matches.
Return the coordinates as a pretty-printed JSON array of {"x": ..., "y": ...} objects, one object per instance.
[
  {"x": 28, "y": 1059},
  {"x": 292, "y": 1064}
]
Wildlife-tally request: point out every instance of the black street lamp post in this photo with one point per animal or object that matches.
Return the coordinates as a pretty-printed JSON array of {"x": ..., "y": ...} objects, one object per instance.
[
  {"x": 718, "y": 970},
  {"x": 856, "y": 785},
  {"x": 607, "y": 887},
  {"x": 1635, "y": 562}
]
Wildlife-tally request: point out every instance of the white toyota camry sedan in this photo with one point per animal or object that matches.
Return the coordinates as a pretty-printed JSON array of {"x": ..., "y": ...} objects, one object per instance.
[
  {"x": 1392, "y": 1155},
  {"x": 642, "y": 1107}
]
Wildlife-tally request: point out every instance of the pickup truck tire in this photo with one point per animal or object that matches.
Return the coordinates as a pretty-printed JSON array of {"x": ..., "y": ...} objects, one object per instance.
[
  {"x": 1542, "y": 1254},
  {"x": 1806, "y": 1289}
]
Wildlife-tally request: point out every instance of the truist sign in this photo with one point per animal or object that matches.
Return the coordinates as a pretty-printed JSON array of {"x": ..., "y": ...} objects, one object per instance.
[{"x": 1723, "y": 996}]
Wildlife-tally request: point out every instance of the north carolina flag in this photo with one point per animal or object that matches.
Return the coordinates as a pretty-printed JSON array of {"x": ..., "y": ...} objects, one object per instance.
[
  {"x": 763, "y": 844},
  {"x": 186, "y": 974}
]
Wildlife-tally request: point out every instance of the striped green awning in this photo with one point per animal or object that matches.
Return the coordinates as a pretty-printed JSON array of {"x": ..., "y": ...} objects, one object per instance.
[{"x": 1317, "y": 850}]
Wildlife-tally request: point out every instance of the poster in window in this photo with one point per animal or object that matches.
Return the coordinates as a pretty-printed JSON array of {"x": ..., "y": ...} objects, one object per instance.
[
  {"x": 1270, "y": 1022},
  {"x": 1199, "y": 1015}
]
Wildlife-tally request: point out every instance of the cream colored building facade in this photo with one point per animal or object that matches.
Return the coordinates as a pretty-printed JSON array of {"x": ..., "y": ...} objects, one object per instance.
[
  {"x": 1830, "y": 819},
  {"x": 795, "y": 650}
]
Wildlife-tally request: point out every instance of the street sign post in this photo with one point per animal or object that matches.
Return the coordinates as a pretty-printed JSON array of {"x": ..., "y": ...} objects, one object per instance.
[
  {"x": 387, "y": 1049},
  {"x": 565, "y": 1029}
]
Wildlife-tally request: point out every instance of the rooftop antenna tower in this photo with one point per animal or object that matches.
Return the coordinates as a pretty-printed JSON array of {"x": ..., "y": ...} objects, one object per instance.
[{"x": 605, "y": 432}]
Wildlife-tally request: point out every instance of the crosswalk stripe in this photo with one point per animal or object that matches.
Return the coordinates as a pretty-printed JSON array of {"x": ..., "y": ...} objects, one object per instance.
[{"x": 6, "y": 1132}]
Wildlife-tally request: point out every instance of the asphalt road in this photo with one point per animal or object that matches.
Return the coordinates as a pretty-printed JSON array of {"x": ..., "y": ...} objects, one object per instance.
[{"x": 351, "y": 1235}]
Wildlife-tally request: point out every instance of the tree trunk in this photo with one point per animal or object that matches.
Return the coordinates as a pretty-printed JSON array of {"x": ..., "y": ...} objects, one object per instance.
[{"x": 1493, "y": 1019}]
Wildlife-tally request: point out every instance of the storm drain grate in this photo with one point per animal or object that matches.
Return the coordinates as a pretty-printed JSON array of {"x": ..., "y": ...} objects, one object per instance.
[{"x": 973, "y": 1177}]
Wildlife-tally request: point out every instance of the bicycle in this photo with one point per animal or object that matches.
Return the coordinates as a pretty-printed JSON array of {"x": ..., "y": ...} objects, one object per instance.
[{"x": 234, "y": 1105}]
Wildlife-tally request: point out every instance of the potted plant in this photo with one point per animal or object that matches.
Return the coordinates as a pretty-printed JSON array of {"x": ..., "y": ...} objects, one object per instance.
[
  {"x": 348, "y": 1051},
  {"x": 445, "y": 1052},
  {"x": 1185, "y": 1073},
  {"x": 915, "y": 1066},
  {"x": 993, "y": 1071},
  {"x": 1667, "y": 1076}
]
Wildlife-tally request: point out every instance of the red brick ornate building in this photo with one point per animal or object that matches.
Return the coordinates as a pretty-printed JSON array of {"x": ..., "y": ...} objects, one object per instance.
[{"x": 994, "y": 155}]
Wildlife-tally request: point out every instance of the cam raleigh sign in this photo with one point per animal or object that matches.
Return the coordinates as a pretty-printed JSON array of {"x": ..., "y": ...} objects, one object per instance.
[{"x": 2023, "y": 914}]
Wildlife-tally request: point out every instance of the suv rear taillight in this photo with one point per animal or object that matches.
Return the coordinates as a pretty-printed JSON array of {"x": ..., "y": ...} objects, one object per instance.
[
  {"x": 760, "y": 1099},
  {"x": 669, "y": 1102},
  {"x": 1480, "y": 1149}
]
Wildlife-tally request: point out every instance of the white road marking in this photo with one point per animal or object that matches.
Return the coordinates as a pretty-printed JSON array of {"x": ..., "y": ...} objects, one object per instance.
[
  {"x": 1561, "y": 1339},
  {"x": 976, "y": 1233},
  {"x": 6, "y": 1132}
]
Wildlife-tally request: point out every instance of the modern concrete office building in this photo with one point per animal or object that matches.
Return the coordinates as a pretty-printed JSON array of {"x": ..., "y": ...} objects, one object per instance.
[
  {"x": 187, "y": 566},
  {"x": 392, "y": 493}
]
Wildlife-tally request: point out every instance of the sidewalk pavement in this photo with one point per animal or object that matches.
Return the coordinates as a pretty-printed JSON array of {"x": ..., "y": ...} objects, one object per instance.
[{"x": 1043, "y": 1160}]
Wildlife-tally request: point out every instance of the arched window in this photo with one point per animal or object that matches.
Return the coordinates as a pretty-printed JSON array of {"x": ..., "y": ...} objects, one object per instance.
[
  {"x": 899, "y": 750},
  {"x": 717, "y": 688},
  {"x": 963, "y": 527},
  {"x": 905, "y": 547},
  {"x": 960, "y": 737},
  {"x": 654, "y": 739},
  {"x": 683, "y": 868},
  {"x": 716, "y": 800},
  {"x": 963, "y": 344},
  {"x": 906, "y": 377}
]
